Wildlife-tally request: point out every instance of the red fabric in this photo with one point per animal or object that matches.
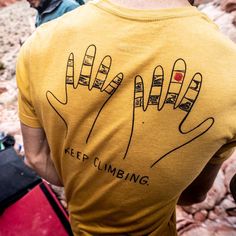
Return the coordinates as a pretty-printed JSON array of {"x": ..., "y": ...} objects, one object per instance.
[{"x": 31, "y": 215}]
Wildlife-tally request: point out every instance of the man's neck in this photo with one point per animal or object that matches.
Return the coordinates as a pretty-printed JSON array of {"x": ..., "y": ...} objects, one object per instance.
[
  {"x": 42, "y": 5},
  {"x": 151, "y": 4}
]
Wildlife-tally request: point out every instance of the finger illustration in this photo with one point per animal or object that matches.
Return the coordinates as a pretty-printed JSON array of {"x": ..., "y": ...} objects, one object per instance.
[
  {"x": 138, "y": 102},
  {"x": 75, "y": 90},
  {"x": 114, "y": 84},
  {"x": 138, "y": 92},
  {"x": 173, "y": 95},
  {"x": 87, "y": 66},
  {"x": 110, "y": 89},
  {"x": 70, "y": 70},
  {"x": 100, "y": 79},
  {"x": 156, "y": 88},
  {"x": 102, "y": 73},
  {"x": 176, "y": 82},
  {"x": 185, "y": 106},
  {"x": 191, "y": 94}
]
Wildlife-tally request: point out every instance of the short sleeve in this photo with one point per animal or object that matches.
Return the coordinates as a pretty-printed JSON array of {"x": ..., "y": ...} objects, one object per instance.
[
  {"x": 223, "y": 153},
  {"x": 26, "y": 109}
]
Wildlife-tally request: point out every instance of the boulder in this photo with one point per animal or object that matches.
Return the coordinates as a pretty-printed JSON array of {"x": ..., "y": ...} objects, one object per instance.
[{"x": 228, "y": 5}]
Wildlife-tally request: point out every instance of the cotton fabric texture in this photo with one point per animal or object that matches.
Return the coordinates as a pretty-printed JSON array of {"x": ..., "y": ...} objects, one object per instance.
[{"x": 134, "y": 104}]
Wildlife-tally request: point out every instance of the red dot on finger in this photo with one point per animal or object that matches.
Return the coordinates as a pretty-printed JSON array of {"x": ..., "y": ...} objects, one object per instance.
[{"x": 178, "y": 76}]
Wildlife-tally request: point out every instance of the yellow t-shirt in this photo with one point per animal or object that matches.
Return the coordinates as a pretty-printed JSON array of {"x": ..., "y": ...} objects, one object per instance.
[{"x": 134, "y": 104}]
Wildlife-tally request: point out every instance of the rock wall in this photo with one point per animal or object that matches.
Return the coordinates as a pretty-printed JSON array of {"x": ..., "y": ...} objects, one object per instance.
[
  {"x": 4, "y": 3},
  {"x": 16, "y": 24},
  {"x": 217, "y": 214}
]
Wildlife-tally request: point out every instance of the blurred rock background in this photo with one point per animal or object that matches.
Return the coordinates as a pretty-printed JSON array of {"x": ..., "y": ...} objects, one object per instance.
[{"x": 216, "y": 216}]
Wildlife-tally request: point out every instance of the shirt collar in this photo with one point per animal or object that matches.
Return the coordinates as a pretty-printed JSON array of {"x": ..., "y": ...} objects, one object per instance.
[{"x": 48, "y": 5}]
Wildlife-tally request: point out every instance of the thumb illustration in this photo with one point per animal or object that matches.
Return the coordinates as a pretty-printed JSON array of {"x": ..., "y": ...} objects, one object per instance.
[
  {"x": 190, "y": 135},
  {"x": 55, "y": 104}
]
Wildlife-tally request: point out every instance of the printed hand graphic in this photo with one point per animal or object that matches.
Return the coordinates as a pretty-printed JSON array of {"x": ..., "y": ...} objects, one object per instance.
[
  {"x": 82, "y": 104},
  {"x": 163, "y": 120}
]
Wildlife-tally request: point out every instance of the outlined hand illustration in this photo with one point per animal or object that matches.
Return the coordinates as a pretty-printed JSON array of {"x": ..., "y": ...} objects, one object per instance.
[
  {"x": 170, "y": 108},
  {"x": 80, "y": 93}
]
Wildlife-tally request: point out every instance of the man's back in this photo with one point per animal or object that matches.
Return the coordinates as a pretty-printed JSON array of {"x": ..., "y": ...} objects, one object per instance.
[{"x": 134, "y": 104}]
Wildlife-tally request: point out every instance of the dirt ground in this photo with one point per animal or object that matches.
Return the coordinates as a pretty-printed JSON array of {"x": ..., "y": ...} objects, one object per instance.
[{"x": 216, "y": 216}]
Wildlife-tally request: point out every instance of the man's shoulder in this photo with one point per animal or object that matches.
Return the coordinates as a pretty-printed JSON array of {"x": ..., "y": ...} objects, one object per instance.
[
  {"x": 208, "y": 36},
  {"x": 69, "y": 4},
  {"x": 44, "y": 34},
  {"x": 222, "y": 45}
]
